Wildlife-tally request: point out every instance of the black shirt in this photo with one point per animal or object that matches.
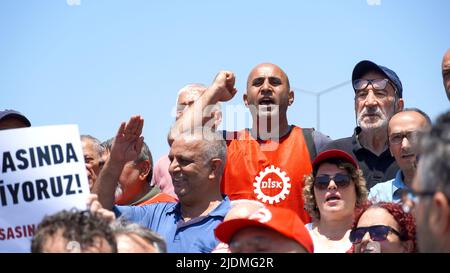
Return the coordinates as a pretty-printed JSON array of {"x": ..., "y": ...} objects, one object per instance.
[{"x": 376, "y": 169}]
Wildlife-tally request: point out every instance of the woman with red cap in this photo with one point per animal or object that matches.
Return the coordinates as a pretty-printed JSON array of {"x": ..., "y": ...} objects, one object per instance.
[{"x": 332, "y": 192}]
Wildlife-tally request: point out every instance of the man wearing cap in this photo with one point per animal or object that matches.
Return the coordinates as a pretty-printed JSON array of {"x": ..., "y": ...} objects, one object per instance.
[
  {"x": 378, "y": 96},
  {"x": 271, "y": 229},
  {"x": 446, "y": 72},
  {"x": 11, "y": 119}
]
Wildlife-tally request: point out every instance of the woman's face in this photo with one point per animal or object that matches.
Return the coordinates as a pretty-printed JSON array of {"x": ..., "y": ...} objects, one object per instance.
[
  {"x": 389, "y": 241},
  {"x": 334, "y": 192}
]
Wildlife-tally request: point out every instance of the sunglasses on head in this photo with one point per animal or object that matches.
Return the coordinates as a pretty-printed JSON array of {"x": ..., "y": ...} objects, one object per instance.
[
  {"x": 377, "y": 84},
  {"x": 321, "y": 182},
  {"x": 377, "y": 233}
]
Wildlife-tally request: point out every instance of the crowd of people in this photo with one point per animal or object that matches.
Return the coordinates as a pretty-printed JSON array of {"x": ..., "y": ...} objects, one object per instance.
[{"x": 274, "y": 187}]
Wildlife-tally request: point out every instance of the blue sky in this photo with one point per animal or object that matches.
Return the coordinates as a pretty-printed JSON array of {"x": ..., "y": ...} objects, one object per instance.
[{"x": 97, "y": 62}]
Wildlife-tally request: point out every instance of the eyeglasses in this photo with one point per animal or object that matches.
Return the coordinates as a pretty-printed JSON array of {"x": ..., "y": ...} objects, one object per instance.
[
  {"x": 377, "y": 233},
  {"x": 321, "y": 182},
  {"x": 397, "y": 138}
]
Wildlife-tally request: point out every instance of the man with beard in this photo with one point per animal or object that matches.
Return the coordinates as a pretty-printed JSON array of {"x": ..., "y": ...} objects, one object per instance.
[
  {"x": 446, "y": 73},
  {"x": 378, "y": 96},
  {"x": 404, "y": 130},
  {"x": 267, "y": 162},
  {"x": 432, "y": 187}
]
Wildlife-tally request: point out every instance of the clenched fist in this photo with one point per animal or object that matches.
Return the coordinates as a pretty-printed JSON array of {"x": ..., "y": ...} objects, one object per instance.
[{"x": 223, "y": 86}]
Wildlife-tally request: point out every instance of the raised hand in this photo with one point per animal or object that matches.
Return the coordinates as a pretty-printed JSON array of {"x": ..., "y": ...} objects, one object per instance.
[
  {"x": 128, "y": 141},
  {"x": 223, "y": 86}
]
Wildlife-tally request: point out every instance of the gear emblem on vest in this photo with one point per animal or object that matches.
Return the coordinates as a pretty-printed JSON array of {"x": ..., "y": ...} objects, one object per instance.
[{"x": 260, "y": 183}]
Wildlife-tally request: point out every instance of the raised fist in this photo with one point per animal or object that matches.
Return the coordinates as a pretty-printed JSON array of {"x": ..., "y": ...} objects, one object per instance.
[{"x": 223, "y": 86}]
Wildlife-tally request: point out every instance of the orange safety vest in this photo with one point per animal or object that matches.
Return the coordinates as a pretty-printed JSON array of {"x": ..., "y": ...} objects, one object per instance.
[{"x": 271, "y": 172}]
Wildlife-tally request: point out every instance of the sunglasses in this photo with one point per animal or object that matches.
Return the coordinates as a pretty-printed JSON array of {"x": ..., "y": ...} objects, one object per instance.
[
  {"x": 377, "y": 84},
  {"x": 377, "y": 233},
  {"x": 321, "y": 182}
]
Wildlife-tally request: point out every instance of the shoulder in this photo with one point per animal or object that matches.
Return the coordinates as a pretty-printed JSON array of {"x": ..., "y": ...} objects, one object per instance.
[
  {"x": 381, "y": 191},
  {"x": 345, "y": 144}
]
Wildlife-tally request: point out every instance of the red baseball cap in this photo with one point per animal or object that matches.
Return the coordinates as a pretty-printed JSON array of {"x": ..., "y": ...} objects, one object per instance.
[
  {"x": 281, "y": 220},
  {"x": 334, "y": 153}
]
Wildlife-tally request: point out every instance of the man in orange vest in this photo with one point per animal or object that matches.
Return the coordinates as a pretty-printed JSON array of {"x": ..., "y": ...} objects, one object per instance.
[{"x": 268, "y": 161}]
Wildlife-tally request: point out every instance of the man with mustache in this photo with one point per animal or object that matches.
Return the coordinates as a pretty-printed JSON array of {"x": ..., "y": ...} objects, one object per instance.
[
  {"x": 403, "y": 132},
  {"x": 268, "y": 161},
  {"x": 378, "y": 96}
]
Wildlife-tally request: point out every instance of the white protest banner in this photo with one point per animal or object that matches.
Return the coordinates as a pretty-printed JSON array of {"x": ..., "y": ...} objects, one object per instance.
[{"x": 42, "y": 172}]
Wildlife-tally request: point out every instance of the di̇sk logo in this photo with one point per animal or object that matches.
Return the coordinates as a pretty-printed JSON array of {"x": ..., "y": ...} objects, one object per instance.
[{"x": 271, "y": 185}]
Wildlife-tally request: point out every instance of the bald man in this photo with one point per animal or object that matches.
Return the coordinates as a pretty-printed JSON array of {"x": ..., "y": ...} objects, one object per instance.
[
  {"x": 268, "y": 161},
  {"x": 446, "y": 72}
]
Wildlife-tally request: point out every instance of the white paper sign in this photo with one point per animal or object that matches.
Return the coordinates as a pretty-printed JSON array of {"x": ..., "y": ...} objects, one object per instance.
[{"x": 42, "y": 172}]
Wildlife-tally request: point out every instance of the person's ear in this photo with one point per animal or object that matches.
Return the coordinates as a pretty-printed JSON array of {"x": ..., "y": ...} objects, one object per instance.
[
  {"x": 217, "y": 118},
  {"x": 400, "y": 105},
  {"x": 438, "y": 221},
  {"x": 245, "y": 98},
  {"x": 144, "y": 168},
  {"x": 291, "y": 98},
  {"x": 215, "y": 165}
]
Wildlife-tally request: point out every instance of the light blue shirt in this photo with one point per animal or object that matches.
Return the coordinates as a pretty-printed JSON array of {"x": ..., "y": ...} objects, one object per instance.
[
  {"x": 194, "y": 236},
  {"x": 389, "y": 191}
]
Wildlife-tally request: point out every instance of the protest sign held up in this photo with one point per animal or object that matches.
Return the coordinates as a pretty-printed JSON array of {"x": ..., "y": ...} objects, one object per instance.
[{"x": 41, "y": 172}]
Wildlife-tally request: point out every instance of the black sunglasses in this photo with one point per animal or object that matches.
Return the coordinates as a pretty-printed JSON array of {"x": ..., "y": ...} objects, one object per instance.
[
  {"x": 377, "y": 233},
  {"x": 321, "y": 182}
]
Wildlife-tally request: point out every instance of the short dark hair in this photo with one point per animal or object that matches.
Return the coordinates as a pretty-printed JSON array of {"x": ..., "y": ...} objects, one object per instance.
[
  {"x": 82, "y": 227},
  {"x": 145, "y": 154}
]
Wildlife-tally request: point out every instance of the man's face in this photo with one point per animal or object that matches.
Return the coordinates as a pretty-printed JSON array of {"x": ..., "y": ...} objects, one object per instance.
[
  {"x": 268, "y": 91},
  {"x": 407, "y": 124},
  {"x": 130, "y": 183},
  {"x": 375, "y": 107},
  {"x": 12, "y": 123},
  {"x": 186, "y": 99},
  {"x": 92, "y": 160},
  {"x": 263, "y": 240},
  {"x": 188, "y": 169},
  {"x": 446, "y": 72}
]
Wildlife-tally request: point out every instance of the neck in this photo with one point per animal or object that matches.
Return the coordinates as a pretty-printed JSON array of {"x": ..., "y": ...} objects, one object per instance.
[
  {"x": 274, "y": 127},
  {"x": 408, "y": 176},
  {"x": 335, "y": 229},
  {"x": 200, "y": 207},
  {"x": 374, "y": 140}
]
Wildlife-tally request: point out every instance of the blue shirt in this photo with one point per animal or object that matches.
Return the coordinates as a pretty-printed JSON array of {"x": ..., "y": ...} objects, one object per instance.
[
  {"x": 389, "y": 191},
  {"x": 194, "y": 236}
]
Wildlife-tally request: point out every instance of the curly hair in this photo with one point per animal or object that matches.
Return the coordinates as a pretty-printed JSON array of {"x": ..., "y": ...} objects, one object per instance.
[
  {"x": 79, "y": 226},
  {"x": 356, "y": 176},
  {"x": 405, "y": 220}
]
